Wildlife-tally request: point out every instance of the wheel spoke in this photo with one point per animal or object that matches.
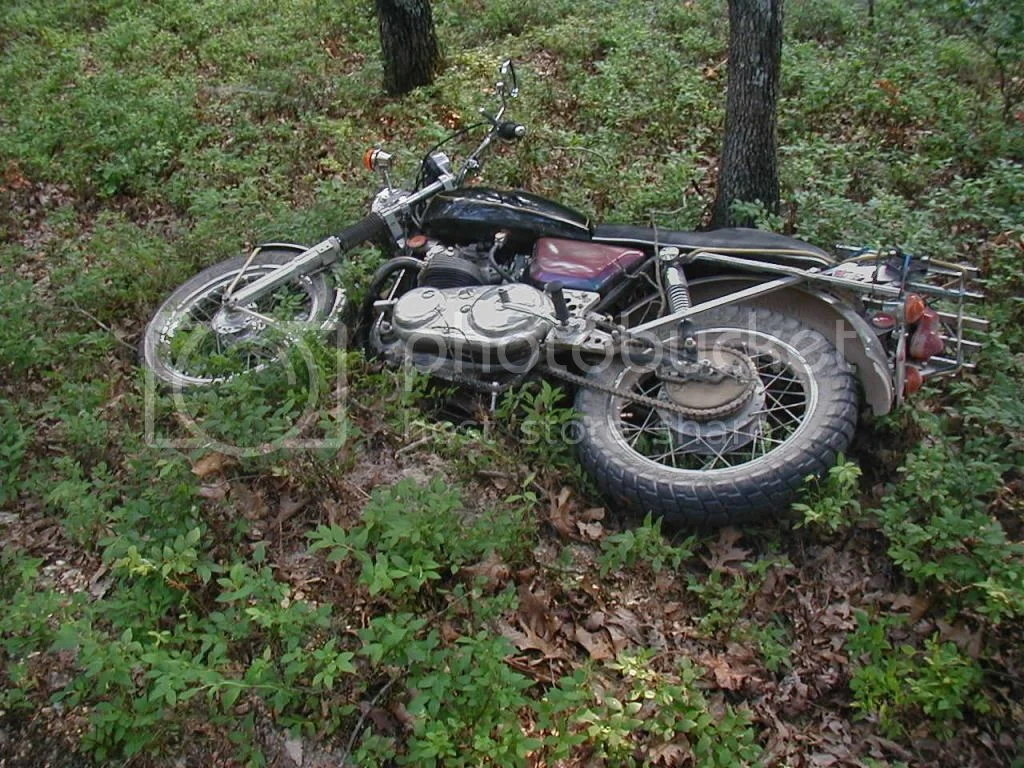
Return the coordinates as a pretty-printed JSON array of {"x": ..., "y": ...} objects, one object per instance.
[
  {"x": 187, "y": 350},
  {"x": 781, "y": 405}
]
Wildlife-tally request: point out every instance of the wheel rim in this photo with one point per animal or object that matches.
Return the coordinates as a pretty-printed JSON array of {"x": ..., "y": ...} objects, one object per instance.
[
  {"x": 785, "y": 398},
  {"x": 200, "y": 343}
]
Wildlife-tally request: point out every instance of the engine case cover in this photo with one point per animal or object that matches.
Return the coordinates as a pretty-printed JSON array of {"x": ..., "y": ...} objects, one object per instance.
[{"x": 486, "y": 324}]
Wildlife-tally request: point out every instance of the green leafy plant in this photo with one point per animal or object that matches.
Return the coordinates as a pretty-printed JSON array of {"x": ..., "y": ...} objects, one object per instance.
[
  {"x": 896, "y": 684},
  {"x": 644, "y": 546},
  {"x": 832, "y": 504}
]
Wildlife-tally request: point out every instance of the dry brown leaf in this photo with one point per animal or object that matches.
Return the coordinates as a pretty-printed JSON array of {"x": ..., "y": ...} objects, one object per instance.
[
  {"x": 598, "y": 644},
  {"x": 592, "y": 515},
  {"x": 669, "y": 754},
  {"x": 492, "y": 570},
  {"x": 534, "y": 610},
  {"x": 559, "y": 514},
  {"x": 724, "y": 552},
  {"x": 592, "y": 531},
  {"x": 528, "y": 640},
  {"x": 212, "y": 464}
]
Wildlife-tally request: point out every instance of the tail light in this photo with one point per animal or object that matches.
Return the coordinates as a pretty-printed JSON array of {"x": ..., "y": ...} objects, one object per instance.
[
  {"x": 926, "y": 339},
  {"x": 923, "y": 341}
]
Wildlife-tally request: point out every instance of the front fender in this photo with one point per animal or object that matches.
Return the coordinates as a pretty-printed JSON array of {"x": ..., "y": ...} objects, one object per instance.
[{"x": 850, "y": 333}]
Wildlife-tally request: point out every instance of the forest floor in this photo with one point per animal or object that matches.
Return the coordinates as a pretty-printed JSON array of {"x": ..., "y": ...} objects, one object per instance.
[{"x": 330, "y": 567}]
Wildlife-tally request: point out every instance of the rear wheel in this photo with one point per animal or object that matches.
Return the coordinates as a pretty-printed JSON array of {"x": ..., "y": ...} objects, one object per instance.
[{"x": 722, "y": 448}]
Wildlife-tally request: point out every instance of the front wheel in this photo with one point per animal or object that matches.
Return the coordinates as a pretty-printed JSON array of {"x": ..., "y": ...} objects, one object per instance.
[
  {"x": 193, "y": 340},
  {"x": 727, "y": 448}
]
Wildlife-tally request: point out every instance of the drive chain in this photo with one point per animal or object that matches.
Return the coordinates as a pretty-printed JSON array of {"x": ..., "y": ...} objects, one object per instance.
[{"x": 651, "y": 402}]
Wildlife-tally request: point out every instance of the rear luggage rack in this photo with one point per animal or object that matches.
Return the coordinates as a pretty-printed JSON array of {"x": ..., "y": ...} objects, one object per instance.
[{"x": 883, "y": 280}]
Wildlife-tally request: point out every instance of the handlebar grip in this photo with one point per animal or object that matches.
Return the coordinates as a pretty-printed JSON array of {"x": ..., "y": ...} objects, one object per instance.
[
  {"x": 366, "y": 229},
  {"x": 511, "y": 130}
]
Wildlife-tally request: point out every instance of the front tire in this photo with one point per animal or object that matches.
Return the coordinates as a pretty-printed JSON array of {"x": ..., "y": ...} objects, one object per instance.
[
  {"x": 191, "y": 343},
  {"x": 747, "y": 462}
]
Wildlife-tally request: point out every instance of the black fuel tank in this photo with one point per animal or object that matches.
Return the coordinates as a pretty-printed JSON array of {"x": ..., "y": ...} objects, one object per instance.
[{"x": 476, "y": 213}]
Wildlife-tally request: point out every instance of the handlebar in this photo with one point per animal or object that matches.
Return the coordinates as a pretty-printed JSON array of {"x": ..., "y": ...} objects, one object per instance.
[
  {"x": 509, "y": 130},
  {"x": 357, "y": 234}
]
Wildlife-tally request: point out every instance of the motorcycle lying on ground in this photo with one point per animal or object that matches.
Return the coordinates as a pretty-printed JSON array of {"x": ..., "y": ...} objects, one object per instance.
[{"x": 713, "y": 371}]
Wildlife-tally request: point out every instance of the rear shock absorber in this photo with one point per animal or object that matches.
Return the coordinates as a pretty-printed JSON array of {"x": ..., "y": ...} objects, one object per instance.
[
  {"x": 676, "y": 287},
  {"x": 677, "y": 291}
]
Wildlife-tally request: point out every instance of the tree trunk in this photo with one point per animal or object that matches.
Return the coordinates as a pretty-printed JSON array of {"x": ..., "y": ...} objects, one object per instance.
[
  {"x": 408, "y": 44},
  {"x": 749, "y": 170}
]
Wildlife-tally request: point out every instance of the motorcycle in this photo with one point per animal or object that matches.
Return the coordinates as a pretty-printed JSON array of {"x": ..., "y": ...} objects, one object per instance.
[{"x": 713, "y": 371}]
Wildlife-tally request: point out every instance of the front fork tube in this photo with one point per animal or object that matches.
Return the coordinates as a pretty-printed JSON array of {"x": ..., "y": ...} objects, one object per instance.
[{"x": 314, "y": 258}]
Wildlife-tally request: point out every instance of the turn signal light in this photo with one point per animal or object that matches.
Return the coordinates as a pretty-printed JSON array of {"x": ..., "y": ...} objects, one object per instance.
[
  {"x": 912, "y": 381},
  {"x": 377, "y": 160},
  {"x": 913, "y": 308}
]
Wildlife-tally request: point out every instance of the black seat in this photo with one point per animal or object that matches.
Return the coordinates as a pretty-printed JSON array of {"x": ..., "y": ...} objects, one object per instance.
[{"x": 738, "y": 241}]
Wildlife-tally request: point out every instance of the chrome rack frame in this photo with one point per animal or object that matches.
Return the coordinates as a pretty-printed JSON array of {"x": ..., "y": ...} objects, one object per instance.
[{"x": 951, "y": 296}]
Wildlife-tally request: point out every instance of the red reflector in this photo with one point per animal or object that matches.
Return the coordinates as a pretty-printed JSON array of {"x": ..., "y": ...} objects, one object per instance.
[{"x": 883, "y": 321}]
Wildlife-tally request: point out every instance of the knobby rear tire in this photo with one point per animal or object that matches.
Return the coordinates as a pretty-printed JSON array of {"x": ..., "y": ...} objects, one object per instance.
[{"x": 760, "y": 488}]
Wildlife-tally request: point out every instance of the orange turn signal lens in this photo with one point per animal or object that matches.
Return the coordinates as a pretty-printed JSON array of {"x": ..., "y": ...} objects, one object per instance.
[
  {"x": 369, "y": 157},
  {"x": 913, "y": 308},
  {"x": 912, "y": 381}
]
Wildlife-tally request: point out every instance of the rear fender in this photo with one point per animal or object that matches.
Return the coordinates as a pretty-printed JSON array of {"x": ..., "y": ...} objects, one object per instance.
[{"x": 849, "y": 333}]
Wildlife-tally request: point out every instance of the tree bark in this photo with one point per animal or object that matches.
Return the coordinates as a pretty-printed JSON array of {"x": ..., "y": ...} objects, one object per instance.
[
  {"x": 749, "y": 170},
  {"x": 408, "y": 44}
]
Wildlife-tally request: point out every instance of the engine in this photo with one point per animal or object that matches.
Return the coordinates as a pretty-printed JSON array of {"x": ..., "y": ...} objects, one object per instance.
[
  {"x": 485, "y": 327},
  {"x": 457, "y": 266}
]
